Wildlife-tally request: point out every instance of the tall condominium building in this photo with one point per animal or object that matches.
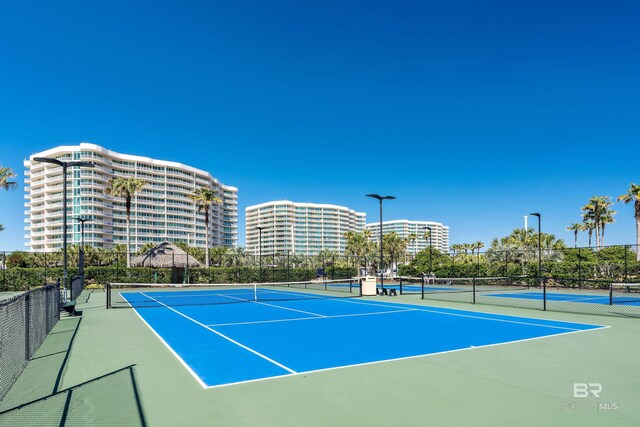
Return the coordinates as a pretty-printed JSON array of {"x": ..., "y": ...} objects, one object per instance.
[
  {"x": 161, "y": 211},
  {"x": 405, "y": 228},
  {"x": 300, "y": 228}
]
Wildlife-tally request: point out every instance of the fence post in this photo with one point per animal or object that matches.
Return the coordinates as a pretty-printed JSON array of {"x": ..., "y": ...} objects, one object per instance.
[
  {"x": 45, "y": 267},
  {"x": 473, "y": 282},
  {"x": 544, "y": 294},
  {"x": 27, "y": 332},
  {"x": 579, "y": 267},
  {"x": 610, "y": 293}
]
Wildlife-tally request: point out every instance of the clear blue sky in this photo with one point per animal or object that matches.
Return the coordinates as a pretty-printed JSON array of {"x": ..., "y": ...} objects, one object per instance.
[{"x": 471, "y": 113}]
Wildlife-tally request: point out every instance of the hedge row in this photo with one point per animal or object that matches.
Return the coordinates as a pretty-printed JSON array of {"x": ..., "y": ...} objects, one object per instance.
[{"x": 17, "y": 279}]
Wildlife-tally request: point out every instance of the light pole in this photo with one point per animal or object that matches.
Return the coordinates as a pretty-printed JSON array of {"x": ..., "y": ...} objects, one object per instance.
[
  {"x": 542, "y": 283},
  {"x": 381, "y": 198},
  {"x": 64, "y": 166},
  {"x": 539, "y": 244},
  {"x": 82, "y": 221},
  {"x": 260, "y": 249}
]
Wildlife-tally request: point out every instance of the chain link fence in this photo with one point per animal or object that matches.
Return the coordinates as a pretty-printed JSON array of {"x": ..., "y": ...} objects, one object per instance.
[
  {"x": 604, "y": 297},
  {"x": 23, "y": 270},
  {"x": 25, "y": 321},
  {"x": 618, "y": 262}
]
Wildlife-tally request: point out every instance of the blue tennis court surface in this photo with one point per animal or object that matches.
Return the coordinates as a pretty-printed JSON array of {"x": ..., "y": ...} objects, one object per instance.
[
  {"x": 222, "y": 344},
  {"x": 566, "y": 297}
]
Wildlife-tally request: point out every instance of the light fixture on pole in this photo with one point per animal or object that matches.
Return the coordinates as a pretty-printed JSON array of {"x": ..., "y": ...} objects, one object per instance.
[
  {"x": 260, "y": 249},
  {"x": 64, "y": 166},
  {"x": 381, "y": 198}
]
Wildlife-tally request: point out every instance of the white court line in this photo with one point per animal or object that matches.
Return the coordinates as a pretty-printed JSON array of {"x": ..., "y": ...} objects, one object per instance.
[
  {"x": 201, "y": 293},
  {"x": 348, "y": 300},
  {"x": 404, "y": 358},
  {"x": 477, "y": 317},
  {"x": 224, "y": 336},
  {"x": 277, "y": 306},
  {"x": 575, "y": 299},
  {"x": 187, "y": 367},
  {"x": 419, "y": 308},
  {"x": 403, "y": 307},
  {"x": 337, "y": 316}
]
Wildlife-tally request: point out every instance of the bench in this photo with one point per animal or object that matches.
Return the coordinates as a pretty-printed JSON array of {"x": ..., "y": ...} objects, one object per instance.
[{"x": 69, "y": 307}]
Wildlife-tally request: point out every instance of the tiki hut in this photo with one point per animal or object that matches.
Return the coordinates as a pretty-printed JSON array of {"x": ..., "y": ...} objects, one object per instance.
[{"x": 167, "y": 255}]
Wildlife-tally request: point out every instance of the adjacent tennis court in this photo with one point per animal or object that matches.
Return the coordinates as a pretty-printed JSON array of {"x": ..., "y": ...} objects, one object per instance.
[
  {"x": 573, "y": 297},
  {"x": 233, "y": 334}
]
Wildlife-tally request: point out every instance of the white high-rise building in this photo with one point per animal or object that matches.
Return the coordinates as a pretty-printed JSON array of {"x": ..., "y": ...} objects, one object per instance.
[
  {"x": 404, "y": 228},
  {"x": 300, "y": 228},
  {"x": 161, "y": 211}
]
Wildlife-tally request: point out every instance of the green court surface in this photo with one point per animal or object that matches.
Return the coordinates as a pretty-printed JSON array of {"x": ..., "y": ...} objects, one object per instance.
[{"x": 107, "y": 368}]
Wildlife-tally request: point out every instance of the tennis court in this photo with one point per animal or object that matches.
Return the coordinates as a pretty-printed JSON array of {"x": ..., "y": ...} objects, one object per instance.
[
  {"x": 234, "y": 334},
  {"x": 573, "y": 297}
]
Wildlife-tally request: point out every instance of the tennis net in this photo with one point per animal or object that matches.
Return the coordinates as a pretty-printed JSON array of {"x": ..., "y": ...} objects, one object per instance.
[
  {"x": 624, "y": 293},
  {"x": 409, "y": 285},
  {"x": 143, "y": 295},
  {"x": 477, "y": 284}
]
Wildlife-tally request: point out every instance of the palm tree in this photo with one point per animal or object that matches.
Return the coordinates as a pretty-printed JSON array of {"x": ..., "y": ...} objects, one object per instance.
[
  {"x": 127, "y": 189},
  {"x": 204, "y": 199},
  {"x": 607, "y": 218},
  {"x": 599, "y": 207},
  {"x": 326, "y": 257},
  {"x": 357, "y": 244},
  {"x": 412, "y": 237},
  {"x": 633, "y": 195},
  {"x": 218, "y": 254},
  {"x": 588, "y": 225},
  {"x": 394, "y": 245},
  {"x": 146, "y": 247},
  {"x": 552, "y": 248},
  {"x": 6, "y": 174},
  {"x": 238, "y": 255},
  {"x": 576, "y": 227}
]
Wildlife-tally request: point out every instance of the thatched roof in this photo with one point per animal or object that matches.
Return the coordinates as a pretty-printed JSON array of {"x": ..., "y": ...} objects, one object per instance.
[{"x": 164, "y": 255}]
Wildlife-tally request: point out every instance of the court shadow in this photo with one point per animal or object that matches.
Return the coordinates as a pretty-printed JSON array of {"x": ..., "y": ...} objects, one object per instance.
[{"x": 110, "y": 399}]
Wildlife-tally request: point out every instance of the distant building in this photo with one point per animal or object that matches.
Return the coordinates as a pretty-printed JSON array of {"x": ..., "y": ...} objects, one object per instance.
[
  {"x": 161, "y": 211},
  {"x": 404, "y": 228},
  {"x": 300, "y": 228}
]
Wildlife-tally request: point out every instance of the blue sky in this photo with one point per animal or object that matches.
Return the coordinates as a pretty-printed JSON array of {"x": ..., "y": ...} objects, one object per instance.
[{"x": 470, "y": 113}]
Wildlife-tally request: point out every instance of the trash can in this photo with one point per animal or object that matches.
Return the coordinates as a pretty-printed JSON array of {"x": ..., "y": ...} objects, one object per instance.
[{"x": 368, "y": 286}]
